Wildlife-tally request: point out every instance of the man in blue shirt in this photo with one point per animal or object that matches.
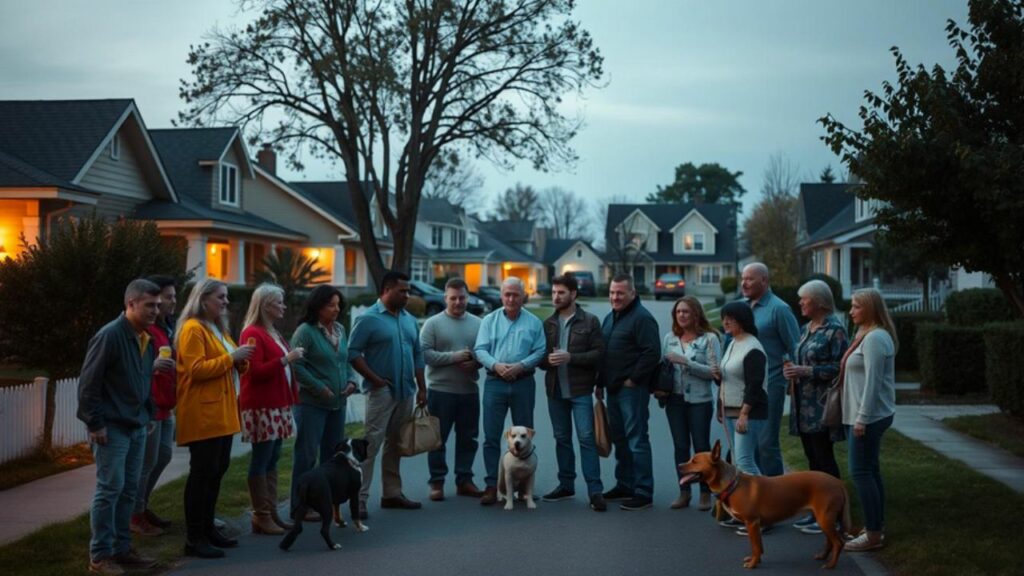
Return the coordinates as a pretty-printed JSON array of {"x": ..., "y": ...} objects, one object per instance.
[
  {"x": 510, "y": 345},
  {"x": 778, "y": 332},
  {"x": 385, "y": 349}
]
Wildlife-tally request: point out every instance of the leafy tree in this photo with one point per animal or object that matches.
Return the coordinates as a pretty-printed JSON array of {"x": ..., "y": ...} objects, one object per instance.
[
  {"x": 771, "y": 232},
  {"x": 389, "y": 87},
  {"x": 519, "y": 203},
  {"x": 906, "y": 260},
  {"x": 292, "y": 271},
  {"x": 704, "y": 184},
  {"x": 827, "y": 175},
  {"x": 943, "y": 151},
  {"x": 55, "y": 295}
]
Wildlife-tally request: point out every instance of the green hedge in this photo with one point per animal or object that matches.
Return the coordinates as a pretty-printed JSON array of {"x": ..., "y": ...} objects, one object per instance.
[
  {"x": 728, "y": 285},
  {"x": 977, "y": 306},
  {"x": 951, "y": 358},
  {"x": 906, "y": 331},
  {"x": 1004, "y": 365}
]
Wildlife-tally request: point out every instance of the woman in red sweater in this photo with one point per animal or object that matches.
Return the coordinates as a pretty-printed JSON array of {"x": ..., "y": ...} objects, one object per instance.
[{"x": 266, "y": 399}]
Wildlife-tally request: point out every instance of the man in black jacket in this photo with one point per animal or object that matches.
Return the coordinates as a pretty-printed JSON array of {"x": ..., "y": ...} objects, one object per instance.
[
  {"x": 574, "y": 349},
  {"x": 630, "y": 364}
]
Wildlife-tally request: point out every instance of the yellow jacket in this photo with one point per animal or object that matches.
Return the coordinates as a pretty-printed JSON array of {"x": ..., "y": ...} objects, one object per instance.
[{"x": 207, "y": 400}]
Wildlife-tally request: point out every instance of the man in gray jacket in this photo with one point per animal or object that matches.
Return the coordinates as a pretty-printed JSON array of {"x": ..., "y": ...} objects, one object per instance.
[
  {"x": 114, "y": 402},
  {"x": 453, "y": 397}
]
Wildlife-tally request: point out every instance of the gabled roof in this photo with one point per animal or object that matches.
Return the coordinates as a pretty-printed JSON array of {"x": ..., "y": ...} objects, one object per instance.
[
  {"x": 693, "y": 213},
  {"x": 16, "y": 173},
  {"x": 188, "y": 210},
  {"x": 511, "y": 230},
  {"x": 821, "y": 202},
  {"x": 182, "y": 150},
  {"x": 842, "y": 223},
  {"x": 665, "y": 216},
  {"x": 555, "y": 248},
  {"x": 333, "y": 197},
  {"x": 439, "y": 211}
]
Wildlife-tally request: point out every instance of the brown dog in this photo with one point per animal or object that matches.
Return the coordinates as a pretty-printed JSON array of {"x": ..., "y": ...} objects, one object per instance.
[{"x": 757, "y": 500}]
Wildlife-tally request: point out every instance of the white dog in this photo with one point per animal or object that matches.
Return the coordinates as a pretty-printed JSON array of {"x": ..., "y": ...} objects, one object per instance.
[{"x": 517, "y": 468}]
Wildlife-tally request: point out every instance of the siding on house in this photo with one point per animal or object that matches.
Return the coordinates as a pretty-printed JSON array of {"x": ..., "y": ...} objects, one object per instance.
[
  {"x": 694, "y": 225},
  {"x": 263, "y": 199},
  {"x": 589, "y": 262},
  {"x": 122, "y": 177},
  {"x": 639, "y": 224}
]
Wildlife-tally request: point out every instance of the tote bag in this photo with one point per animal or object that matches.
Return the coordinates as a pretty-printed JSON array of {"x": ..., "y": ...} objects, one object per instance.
[
  {"x": 602, "y": 438},
  {"x": 421, "y": 433}
]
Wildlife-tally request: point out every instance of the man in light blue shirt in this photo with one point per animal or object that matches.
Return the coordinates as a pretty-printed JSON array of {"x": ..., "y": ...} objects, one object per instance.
[
  {"x": 778, "y": 332},
  {"x": 510, "y": 345},
  {"x": 385, "y": 349}
]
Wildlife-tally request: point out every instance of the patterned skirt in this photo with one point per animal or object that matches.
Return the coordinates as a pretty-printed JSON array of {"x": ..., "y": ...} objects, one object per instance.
[{"x": 266, "y": 424}]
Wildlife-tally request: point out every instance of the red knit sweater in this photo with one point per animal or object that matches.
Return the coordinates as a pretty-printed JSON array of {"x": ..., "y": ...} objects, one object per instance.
[
  {"x": 265, "y": 384},
  {"x": 164, "y": 387}
]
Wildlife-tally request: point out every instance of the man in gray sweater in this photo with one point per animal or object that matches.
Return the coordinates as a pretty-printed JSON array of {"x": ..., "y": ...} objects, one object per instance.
[{"x": 453, "y": 397}]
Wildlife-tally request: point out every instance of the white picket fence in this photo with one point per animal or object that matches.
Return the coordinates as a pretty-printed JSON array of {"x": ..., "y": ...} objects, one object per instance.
[
  {"x": 23, "y": 412},
  {"x": 935, "y": 302}
]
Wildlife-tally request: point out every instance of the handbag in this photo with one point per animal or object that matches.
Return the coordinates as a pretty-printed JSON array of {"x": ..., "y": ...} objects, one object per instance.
[
  {"x": 421, "y": 433},
  {"x": 602, "y": 437},
  {"x": 666, "y": 378},
  {"x": 833, "y": 416}
]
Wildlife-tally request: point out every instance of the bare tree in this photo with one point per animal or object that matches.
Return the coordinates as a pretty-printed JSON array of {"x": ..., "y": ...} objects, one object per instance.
[
  {"x": 388, "y": 87},
  {"x": 460, "y": 184},
  {"x": 565, "y": 213},
  {"x": 600, "y": 216},
  {"x": 517, "y": 203},
  {"x": 780, "y": 178},
  {"x": 771, "y": 229}
]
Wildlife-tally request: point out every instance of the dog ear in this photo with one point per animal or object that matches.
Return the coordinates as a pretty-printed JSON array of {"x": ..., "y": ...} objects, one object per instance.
[
  {"x": 716, "y": 452},
  {"x": 529, "y": 433},
  {"x": 508, "y": 435}
]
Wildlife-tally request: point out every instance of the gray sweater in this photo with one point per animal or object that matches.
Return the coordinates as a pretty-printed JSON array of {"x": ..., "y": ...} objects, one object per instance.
[
  {"x": 441, "y": 337},
  {"x": 869, "y": 386}
]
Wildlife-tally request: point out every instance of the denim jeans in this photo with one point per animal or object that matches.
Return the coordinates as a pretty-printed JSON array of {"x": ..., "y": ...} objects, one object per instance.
[
  {"x": 769, "y": 451},
  {"x": 744, "y": 454},
  {"x": 690, "y": 425},
  {"x": 867, "y": 473},
  {"x": 318, "y": 431},
  {"x": 461, "y": 411},
  {"x": 628, "y": 415},
  {"x": 208, "y": 461},
  {"x": 159, "y": 449},
  {"x": 118, "y": 467},
  {"x": 500, "y": 397},
  {"x": 264, "y": 457},
  {"x": 563, "y": 412}
]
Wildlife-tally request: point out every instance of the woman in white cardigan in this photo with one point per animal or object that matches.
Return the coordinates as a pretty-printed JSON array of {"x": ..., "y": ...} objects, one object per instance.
[{"x": 869, "y": 402}]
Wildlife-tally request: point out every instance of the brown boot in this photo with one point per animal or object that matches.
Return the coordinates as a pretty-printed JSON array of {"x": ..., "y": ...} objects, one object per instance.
[
  {"x": 272, "y": 494},
  {"x": 469, "y": 489},
  {"x": 490, "y": 497},
  {"x": 705, "y": 502},
  {"x": 682, "y": 501},
  {"x": 436, "y": 491},
  {"x": 261, "y": 521}
]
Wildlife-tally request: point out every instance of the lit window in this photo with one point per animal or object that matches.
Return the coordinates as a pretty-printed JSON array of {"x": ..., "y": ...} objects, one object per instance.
[
  {"x": 693, "y": 242},
  {"x": 228, "y": 185}
]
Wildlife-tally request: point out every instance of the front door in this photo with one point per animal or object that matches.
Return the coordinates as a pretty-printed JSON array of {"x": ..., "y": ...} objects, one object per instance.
[{"x": 639, "y": 275}]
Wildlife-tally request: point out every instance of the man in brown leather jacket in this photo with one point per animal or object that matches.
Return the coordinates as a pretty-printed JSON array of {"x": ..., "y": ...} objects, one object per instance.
[{"x": 575, "y": 346}]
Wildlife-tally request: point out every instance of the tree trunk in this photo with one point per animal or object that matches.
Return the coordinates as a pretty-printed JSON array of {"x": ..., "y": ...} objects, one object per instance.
[{"x": 1012, "y": 292}]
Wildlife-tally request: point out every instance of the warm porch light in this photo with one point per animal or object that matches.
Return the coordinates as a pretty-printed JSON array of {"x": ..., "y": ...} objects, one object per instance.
[
  {"x": 508, "y": 266},
  {"x": 315, "y": 254},
  {"x": 213, "y": 250},
  {"x": 3, "y": 253}
]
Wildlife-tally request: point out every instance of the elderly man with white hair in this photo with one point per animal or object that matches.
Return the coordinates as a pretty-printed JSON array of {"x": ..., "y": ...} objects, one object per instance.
[
  {"x": 510, "y": 345},
  {"x": 778, "y": 332}
]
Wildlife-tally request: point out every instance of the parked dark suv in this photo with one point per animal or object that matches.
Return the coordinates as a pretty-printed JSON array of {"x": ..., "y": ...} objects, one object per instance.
[
  {"x": 671, "y": 285},
  {"x": 587, "y": 286},
  {"x": 491, "y": 297},
  {"x": 434, "y": 297}
]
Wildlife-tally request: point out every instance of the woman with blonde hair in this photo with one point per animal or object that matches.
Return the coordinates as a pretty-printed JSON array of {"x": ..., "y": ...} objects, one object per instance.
[
  {"x": 868, "y": 372},
  {"x": 208, "y": 368},
  {"x": 267, "y": 395},
  {"x": 693, "y": 348}
]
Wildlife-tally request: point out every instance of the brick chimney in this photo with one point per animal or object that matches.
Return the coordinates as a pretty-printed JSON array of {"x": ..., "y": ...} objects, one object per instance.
[{"x": 267, "y": 159}]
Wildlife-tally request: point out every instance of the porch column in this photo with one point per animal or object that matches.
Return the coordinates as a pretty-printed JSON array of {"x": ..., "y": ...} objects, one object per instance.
[
  {"x": 196, "y": 259},
  {"x": 237, "y": 273},
  {"x": 844, "y": 271},
  {"x": 31, "y": 224},
  {"x": 339, "y": 265}
]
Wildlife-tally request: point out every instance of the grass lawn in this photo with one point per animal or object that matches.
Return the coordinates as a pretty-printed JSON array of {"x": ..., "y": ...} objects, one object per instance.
[
  {"x": 1001, "y": 430},
  {"x": 64, "y": 548},
  {"x": 943, "y": 518},
  {"x": 36, "y": 466}
]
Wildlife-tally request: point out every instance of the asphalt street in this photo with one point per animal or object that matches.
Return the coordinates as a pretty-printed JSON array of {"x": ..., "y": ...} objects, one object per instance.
[{"x": 458, "y": 536}]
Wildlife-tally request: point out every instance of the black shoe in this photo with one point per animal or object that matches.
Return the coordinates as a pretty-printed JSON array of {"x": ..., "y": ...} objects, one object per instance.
[
  {"x": 557, "y": 494},
  {"x": 618, "y": 493},
  {"x": 202, "y": 549},
  {"x": 636, "y": 503},
  {"x": 132, "y": 559},
  {"x": 220, "y": 540},
  {"x": 597, "y": 503}
]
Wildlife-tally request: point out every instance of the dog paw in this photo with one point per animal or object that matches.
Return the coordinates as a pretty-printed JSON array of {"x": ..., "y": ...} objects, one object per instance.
[
  {"x": 336, "y": 547},
  {"x": 509, "y": 505},
  {"x": 821, "y": 556},
  {"x": 530, "y": 504},
  {"x": 362, "y": 528},
  {"x": 750, "y": 562}
]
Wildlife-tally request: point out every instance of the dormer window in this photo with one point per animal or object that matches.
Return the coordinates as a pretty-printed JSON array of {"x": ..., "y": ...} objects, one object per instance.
[
  {"x": 436, "y": 236},
  {"x": 693, "y": 242},
  {"x": 115, "y": 147},
  {"x": 229, "y": 184}
]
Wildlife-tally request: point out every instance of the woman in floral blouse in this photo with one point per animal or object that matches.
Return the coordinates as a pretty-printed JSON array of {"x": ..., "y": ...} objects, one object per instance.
[{"x": 821, "y": 348}]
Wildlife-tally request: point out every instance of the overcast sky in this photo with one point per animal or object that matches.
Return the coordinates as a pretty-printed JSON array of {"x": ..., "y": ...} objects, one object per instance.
[{"x": 725, "y": 81}]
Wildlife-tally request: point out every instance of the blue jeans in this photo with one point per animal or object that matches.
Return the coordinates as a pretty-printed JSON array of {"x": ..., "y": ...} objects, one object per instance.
[
  {"x": 769, "y": 451},
  {"x": 690, "y": 425},
  {"x": 159, "y": 449},
  {"x": 628, "y": 415},
  {"x": 499, "y": 398},
  {"x": 118, "y": 467},
  {"x": 867, "y": 473},
  {"x": 563, "y": 412},
  {"x": 264, "y": 457},
  {"x": 744, "y": 454},
  {"x": 318, "y": 430},
  {"x": 463, "y": 412}
]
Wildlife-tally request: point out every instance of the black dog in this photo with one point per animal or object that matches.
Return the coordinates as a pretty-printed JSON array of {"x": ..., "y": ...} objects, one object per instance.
[{"x": 328, "y": 486}]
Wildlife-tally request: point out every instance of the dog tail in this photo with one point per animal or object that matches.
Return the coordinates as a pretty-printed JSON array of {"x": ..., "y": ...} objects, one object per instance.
[{"x": 845, "y": 522}]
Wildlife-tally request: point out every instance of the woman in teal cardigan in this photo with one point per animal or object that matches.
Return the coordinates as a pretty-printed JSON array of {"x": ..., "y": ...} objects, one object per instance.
[{"x": 323, "y": 378}]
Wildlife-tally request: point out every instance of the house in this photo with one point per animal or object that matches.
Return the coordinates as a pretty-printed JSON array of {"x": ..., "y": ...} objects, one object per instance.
[
  {"x": 697, "y": 241},
  {"x": 563, "y": 255}
]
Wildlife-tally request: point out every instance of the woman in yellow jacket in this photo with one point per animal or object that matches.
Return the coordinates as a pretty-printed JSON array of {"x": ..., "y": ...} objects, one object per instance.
[{"x": 209, "y": 364}]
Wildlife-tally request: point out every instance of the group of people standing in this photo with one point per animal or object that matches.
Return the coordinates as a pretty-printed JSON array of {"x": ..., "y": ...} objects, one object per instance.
[{"x": 148, "y": 380}]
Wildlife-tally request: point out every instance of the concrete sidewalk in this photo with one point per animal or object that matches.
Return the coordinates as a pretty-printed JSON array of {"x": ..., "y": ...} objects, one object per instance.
[{"x": 924, "y": 424}]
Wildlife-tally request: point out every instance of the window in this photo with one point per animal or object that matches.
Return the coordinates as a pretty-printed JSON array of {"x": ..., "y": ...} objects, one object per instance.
[
  {"x": 115, "y": 147},
  {"x": 579, "y": 254},
  {"x": 867, "y": 208},
  {"x": 457, "y": 237},
  {"x": 693, "y": 242},
  {"x": 419, "y": 271},
  {"x": 710, "y": 274},
  {"x": 462, "y": 238},
  {"x": 436, "y": 236},
  {"x": 228, "y": 185}
]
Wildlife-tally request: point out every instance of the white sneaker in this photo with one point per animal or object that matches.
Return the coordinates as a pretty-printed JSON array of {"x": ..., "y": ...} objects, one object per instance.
[{"x": 862, "y": 544}]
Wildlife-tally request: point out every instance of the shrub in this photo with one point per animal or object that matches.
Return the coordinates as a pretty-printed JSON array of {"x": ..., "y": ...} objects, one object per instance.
[
  {"x": 788, "y": 295},
  {"x": 728, "y": 285},
  {"x": 602, "y": 290},
  {"x": 977, "y": 306},
  {"x": 364, "y": 299},
  {"x": 951, "y": 358},
  {"x": 906, "y": 331},
  {"x": 417, "y": 306},
  {"x": 1004, "y": 365}
]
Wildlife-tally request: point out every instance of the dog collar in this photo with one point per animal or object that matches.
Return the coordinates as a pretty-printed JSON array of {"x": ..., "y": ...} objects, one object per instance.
[
  {"x": 724, "y": 495},
  {"x": 528, "y": 454}
]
